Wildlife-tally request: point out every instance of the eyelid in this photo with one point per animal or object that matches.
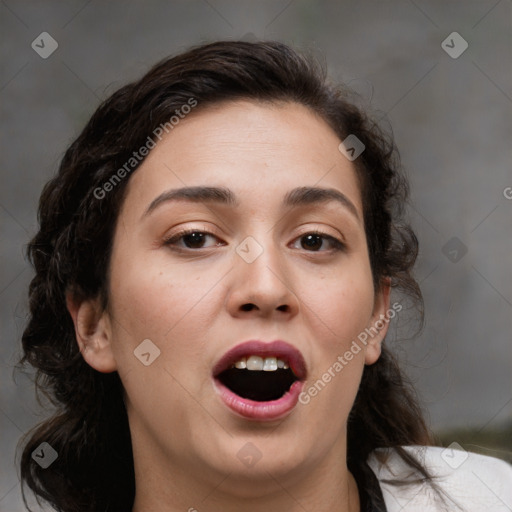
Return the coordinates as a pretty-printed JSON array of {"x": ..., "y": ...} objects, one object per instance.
[
  {"x": 322, "y": 231},
  {"x": 186, "y": 231}
]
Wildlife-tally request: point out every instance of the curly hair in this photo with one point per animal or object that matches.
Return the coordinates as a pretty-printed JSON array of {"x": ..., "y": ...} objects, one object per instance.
[{"x": 71, "y": 251}]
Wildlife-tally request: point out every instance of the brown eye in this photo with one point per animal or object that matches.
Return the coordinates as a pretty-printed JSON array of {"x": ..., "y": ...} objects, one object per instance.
[
  {"x": 314, "y": 241},
  {"x": 190, "y": 239},
  {"x": 194, "y": 240}
]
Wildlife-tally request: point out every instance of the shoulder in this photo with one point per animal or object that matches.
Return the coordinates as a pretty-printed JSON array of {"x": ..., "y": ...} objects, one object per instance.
[{"x": 467, "y": 481}]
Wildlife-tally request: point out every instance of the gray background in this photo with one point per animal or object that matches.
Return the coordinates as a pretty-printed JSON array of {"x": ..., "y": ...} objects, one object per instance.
[{"x": 451, "y": 118}]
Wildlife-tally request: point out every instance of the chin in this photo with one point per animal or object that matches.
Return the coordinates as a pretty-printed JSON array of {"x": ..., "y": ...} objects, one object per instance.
[{"x": 255, "y": 462}]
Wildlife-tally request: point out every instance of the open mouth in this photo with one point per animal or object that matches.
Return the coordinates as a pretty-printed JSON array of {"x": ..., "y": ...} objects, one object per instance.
[{"x": 260, "y": 381}]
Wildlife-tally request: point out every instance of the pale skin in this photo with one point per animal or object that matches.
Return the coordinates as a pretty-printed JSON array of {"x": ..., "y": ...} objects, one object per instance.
[{"x": 193, "y": 305}]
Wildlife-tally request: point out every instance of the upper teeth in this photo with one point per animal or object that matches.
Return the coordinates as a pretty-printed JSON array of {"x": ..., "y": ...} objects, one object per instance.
[{"x": 267, "y": 364}]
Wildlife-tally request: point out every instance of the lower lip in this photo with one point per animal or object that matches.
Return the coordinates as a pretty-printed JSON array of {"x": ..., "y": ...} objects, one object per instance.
[{"x": 260, "y": 411}]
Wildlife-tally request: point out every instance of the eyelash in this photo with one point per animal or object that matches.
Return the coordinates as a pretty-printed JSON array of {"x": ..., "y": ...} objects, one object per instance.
[{"x": 338, "y": 245}]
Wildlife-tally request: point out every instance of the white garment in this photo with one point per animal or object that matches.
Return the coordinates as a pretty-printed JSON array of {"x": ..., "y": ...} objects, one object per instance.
[{"x": 476, "y": 483}]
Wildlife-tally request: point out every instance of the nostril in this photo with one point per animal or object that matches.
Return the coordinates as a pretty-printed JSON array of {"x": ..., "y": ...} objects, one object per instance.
[{"x": 250, "y": 307}]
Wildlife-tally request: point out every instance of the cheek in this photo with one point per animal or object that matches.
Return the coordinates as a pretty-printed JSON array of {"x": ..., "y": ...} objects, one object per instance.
[
  {"x": 340, "y": 303},
  {"x": 339, "y": 306},
  {"x": 151, "y": 300},
  {"x": 150, "y": 294},
  {"x": 172, "y": 305}
]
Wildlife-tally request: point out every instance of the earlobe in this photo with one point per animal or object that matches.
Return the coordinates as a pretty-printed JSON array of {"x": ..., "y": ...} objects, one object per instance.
[
  {"x": 93, "y": 333},
  {"x": 379, "y": 322}
]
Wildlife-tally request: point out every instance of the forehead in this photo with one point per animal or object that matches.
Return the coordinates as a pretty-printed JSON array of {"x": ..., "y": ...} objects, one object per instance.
[{"x": 259, "y": 150}]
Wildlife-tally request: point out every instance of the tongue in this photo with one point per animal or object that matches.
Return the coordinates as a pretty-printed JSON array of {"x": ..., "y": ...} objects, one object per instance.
[{"x": 258, "y": 385}]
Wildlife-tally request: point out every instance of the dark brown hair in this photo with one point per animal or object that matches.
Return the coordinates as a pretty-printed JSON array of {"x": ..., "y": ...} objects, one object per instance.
[{"x": 71, "y": 252}]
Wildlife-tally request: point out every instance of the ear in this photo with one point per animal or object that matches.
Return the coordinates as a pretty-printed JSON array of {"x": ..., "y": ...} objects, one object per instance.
[
  {"x": 379, "y": 322},
  {"x": 93, "y": 333}
]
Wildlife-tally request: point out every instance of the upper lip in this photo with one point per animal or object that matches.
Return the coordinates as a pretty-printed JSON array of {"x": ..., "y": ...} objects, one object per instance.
[{"x": 278, "y": 348}]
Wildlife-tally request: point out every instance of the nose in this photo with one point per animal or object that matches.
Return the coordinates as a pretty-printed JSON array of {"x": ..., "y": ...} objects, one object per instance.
[{"x": 262, "y": 288}]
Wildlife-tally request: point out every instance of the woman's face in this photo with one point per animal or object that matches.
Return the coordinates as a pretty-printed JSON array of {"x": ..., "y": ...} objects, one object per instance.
[{"x": 249, "y": 272}]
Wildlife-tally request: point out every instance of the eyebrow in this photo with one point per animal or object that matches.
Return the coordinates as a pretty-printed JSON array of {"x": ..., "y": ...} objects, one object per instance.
[{"x": 300, "y": 196}]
